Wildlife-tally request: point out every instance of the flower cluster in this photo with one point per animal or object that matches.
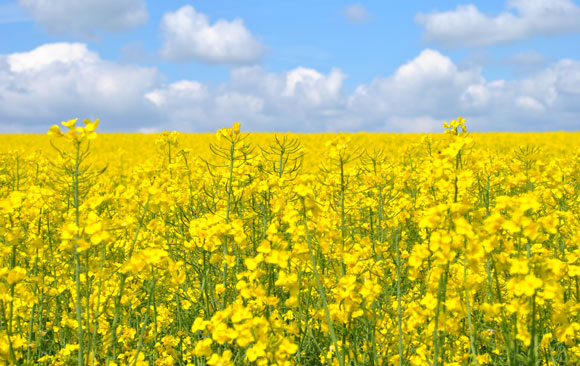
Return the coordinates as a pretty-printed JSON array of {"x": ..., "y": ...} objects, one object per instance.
[
  {"x": 76, "y": 133},
  {"x": 258, "y": 249}
]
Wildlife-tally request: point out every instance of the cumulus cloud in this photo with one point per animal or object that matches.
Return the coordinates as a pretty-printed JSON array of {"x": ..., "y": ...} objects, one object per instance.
[
  {"x": 527, "y": 62},
  {"x": 424, "y": 86},
  {"x": 526, "y": 58},
  {"x": 188, "y": 35},
  {"x": 300, "y": 99},
  {"x": 432, "y": 85},
  {"x": 86, "y": 18},
  {"x": 65, "y": 80},
  {"x": 467, "y": 26},
  {"x": 357, "y": 14},
  {"x": 419, "y": 96}
]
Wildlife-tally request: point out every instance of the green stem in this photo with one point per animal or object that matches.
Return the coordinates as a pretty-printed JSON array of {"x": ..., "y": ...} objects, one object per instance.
[
  {"x": 79, "y": 309},
  {"x": 471, "y": 338},
  {"x": 342, "y": 215},
  {"x": 534, "y": 350},
  {"x": 142, "y": 333},
  {"x": 229, "y": 198},
  {"x": 321, "y": 288},
  {"x": 96, "y": 324},
  {"x": 399, "y": 315},
  {"x": 114, "y": 325},
  {"x": 440, "y": 291}
]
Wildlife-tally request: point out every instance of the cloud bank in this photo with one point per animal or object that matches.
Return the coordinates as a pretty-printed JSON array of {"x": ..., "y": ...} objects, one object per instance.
[
  {"x": 65, "y": 80},
  {"x": 57, "y": 81},
  {"x": 466, "y": 26}
]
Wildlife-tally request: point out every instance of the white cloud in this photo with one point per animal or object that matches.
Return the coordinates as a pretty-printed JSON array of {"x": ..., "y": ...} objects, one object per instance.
[
  {"x": 182, "y": 105},
  {"x": 65, "y": 80},
  {"x": 87, "y": 17},
  {"x": 475, "y": 96},
  {"x": 467, "y": 26},
  {"x": 412, "y": 124},
  {"x": 312, "y": 86},
  {"x": 49, "y": 54},
  {"x": 526, "y": 58},
  {"x": 422, "y": 94},
  {"x": 357, "y": 14},
  {"x": 567, "y": 74},
  {"x": 295, "y": 100},
  {"x": 188, "y": 35},
  {"x": 527, "y": 62},
  {"x": 529, "y": 104},
  {"x": 432, "y": 86},
  {"x": 185, "y": 89},
  {"x": 425, "y": 86}
]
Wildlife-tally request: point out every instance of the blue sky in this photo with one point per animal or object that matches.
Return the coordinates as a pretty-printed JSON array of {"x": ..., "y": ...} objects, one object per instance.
[{"x": 304, "y": 66}]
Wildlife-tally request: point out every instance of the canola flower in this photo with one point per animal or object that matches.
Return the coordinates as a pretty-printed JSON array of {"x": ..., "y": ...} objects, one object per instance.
[
  {"x": 257, "y": 249},
  {"x": 76, "y": 133}
]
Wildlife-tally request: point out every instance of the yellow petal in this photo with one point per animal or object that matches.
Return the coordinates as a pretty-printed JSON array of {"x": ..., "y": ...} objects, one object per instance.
[
  {"x": 236, "y": 127},
  {"x": 91, "y": 126},
  {"x": 70, "y": 123},
  {"x": 54, "y": 131}
]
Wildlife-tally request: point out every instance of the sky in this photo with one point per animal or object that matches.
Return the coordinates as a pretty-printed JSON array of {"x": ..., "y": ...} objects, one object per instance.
[{"x": 301, "y": 66}]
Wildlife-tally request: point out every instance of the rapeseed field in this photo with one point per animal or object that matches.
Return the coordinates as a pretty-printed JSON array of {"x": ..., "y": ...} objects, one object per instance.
[{"x": 242, "y": 248}]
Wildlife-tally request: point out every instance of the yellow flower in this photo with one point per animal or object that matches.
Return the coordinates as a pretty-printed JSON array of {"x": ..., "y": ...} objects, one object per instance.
[
  {"x": 221, "y": 333},
  {"x": 528, "y": 286},
  {"x": 258, "y": 350},
  {"x": 55, "y": 131},
  {"x": 287, "y": 346},
  {"x": 346, "y": 287},
  {"x": 236, "y": 127},
  {"x": 16, "y": 275},
  {"x": 429, "y": 301},
  {"x": 519, "y": 266},
  {"x": 511, "y": 227},
  {"x": 279, "y": 257},
  {"x": 203, "y": 347},
  {"x": 240, "y": 313},
  {"x": 252, "y": 263},
  {"x": 199, "y": 324},
  {"x": 75, "y": 133},
  {"x": 91, "y": 126},
  {"x": 70, "y": 123}
]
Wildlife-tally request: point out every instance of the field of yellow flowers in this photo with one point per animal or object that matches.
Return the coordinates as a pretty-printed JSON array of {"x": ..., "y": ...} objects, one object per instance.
[{"x": 288, "y": 249}]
